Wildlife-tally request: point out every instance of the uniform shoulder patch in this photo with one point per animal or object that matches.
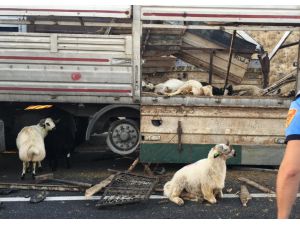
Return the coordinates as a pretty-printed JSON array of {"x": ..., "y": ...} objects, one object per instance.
[{"x": 290, "y": 117}]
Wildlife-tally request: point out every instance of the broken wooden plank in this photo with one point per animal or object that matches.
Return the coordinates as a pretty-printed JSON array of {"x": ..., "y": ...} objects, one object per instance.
[
  {"x": 256, "y": 185},
  {"x": 50, "y": 177},
  {"x": 98, "y": 187},
  {"x": 133, "y": 165},
  {"x": 244, "y": 195},
  {"x": 41, "y": 187}
]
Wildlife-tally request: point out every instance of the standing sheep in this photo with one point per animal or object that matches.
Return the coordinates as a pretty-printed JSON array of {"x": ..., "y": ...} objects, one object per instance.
[
  {"x": 61, "y": 142},
  {"x": 30, "y": 142}
]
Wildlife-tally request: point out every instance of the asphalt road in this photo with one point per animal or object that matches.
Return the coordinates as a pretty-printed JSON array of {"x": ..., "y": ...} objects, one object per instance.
[
  {"x": 92, "y": 168},
  {"x": 261, "y": 208}
]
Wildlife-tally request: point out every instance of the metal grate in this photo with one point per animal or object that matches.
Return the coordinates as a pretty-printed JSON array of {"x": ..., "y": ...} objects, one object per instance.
[{"x": 127, "y": 188}]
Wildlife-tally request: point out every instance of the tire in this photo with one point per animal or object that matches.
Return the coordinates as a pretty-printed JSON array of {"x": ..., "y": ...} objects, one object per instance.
[{"x": 123, "y": 136}]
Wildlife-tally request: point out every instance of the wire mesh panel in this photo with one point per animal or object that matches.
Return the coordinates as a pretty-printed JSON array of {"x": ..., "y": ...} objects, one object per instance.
[{"x": 127, "y": 188}]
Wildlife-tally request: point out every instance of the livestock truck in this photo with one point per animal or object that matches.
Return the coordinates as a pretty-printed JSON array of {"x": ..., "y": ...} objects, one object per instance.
[{"x": 90, "y": 62}]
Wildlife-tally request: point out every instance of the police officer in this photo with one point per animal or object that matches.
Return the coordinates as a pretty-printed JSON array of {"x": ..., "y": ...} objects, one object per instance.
[{"x": 288, "y": 177}]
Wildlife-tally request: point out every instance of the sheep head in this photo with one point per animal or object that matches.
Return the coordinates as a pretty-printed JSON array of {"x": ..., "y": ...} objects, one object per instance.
[
  {"x": 47, "y": 124},
  {"x": 223, "y": 151}
]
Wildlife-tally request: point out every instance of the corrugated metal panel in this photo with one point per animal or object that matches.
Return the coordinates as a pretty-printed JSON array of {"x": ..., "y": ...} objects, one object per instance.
[
  {"x": 65, "y": 65},
  {"x": 240, "y": 14},
  {"x": 100, "y": 10},
  {"x": 209, "y": 125}
]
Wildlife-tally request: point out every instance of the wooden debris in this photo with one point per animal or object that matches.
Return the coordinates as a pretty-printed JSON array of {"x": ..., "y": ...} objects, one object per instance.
[
  {"x": 41, "y": 187},
  {"x": 159, "y": 189},
  {"x": 98, "y": 187},
  {"x": 229, "y": 190},
  {"x": 276, "y": 85},
  {"x": 38, "y": 197},
  {"x": 254, "y": 169},
  {"x": 50, "y": 177},
  {"x": 148, "y": 170},
  {"x": 133, "y": 165},
  {"x": 256, "y": 185},
  {"x": 244, "y": 195}
]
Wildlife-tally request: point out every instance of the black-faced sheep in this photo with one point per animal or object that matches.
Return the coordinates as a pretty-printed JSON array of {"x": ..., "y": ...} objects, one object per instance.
[{"x": 60, "y": 143}]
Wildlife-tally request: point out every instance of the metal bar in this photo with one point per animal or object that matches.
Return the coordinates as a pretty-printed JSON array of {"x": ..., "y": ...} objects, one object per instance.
[
  {"x": 64, "y": 23},
  {"x": 225, "y": 27},
  {"x": 136, "y": 44},
  {"x": 277, "y": 47},
  {"x": 289, "y": 45},
  {"x": 214, "y": 49},
  {"x": 261, "y": 102},
  {"x": 210, "y": 67},
  {"x": 108, "y": 29},
  {"x": 230, "y": 57},
  {"x": 179, "y": 133}
]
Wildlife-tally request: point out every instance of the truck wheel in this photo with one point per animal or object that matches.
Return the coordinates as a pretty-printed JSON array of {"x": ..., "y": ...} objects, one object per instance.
[{"x": 123, "y": 136}]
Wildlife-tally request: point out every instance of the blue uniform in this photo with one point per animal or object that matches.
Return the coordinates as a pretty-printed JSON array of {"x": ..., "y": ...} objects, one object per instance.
[{"x": 292, "y": 125}]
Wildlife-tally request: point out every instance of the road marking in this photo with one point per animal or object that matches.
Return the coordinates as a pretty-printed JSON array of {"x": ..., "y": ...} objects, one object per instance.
[{"x": 83, "y": 198}]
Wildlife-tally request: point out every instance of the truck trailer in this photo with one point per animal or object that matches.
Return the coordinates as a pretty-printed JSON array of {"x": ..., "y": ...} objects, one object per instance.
[{"x": 90, "y": 62}]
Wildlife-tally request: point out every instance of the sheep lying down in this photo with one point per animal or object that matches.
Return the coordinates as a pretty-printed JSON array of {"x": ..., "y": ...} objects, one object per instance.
[
  {"x": 193, "y": 87},
  {"x": 202, "y": 179},
  {"x": 30, "y": 143},
  {"x": 175, "y": 87}
]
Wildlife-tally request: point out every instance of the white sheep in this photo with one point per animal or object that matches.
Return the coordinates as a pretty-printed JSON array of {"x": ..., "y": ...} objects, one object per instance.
[
  {"x": 202, "y": 179},
  {"x": 247, "y": 90},
  {"x": 193, "y": 87},
  {"x": 169, "y": 86},
  {"x": 30, "y": 142}
]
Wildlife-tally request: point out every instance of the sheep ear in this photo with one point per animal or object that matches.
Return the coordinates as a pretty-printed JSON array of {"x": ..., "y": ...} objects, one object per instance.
[
  {"x": 42, "y": 123},
  {"x": 216, "y": 155}
]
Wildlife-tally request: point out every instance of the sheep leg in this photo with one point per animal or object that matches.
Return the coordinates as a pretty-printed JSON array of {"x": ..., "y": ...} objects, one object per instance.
[
  {"x": 218, "y": 193},
  {"x": 68, "y": 156},
  {"x": 175, "y": 197},
  {"x": 24, "y": 170},
  {"x": 175, "y": 93},
  {"x": 33, "y": 170},
  {"x": 190, "y": 196},
  {"x": 208, "y": 194},
  {"x": 39, "y": 166}
]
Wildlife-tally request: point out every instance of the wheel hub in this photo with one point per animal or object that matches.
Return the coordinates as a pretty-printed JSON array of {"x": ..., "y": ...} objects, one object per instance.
[{"x": 124, "y": 136}]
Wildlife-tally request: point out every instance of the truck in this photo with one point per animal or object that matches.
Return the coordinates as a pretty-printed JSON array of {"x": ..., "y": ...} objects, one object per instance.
[{"x": 90, "y": 62}]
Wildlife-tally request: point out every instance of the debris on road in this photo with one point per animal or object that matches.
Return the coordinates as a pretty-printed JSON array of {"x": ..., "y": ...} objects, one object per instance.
[
  {"x": 127, "y": 188},
  {"x": 133, "y": 165},
  {"x": 41, "y": 187},
  {"x": 7, "y": 191},
  {"x": 254, "y": 169},
  {"x": 50, "y": 177},
  {"x": 38, "y": 197},
  {"x": 228, "y": 190},
  {"x": 244, "y": 195},
  {"x": 256, "y": 185},
  {"x": 98, "y": 187}
]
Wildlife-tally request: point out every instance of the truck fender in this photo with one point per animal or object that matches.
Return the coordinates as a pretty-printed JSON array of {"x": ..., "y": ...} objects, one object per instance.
[{"x": 100, "y": 113}]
